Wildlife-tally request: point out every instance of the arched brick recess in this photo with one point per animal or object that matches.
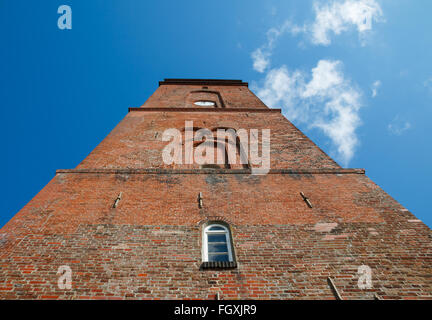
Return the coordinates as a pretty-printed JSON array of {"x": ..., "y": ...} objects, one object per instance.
[{"x": 204, "y": 95}]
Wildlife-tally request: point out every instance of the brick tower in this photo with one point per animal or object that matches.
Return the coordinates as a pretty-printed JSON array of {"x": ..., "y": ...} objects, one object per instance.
[{"x": 125, "y": 224}]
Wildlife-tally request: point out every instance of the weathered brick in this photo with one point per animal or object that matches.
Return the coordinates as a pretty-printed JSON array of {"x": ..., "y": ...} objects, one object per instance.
[{"x": 149, "y": 245}]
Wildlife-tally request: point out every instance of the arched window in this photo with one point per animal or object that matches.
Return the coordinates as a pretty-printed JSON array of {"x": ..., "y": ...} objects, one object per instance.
[
  {"x": 204, "y": 98},
  {"x": 217, "y": 244}
]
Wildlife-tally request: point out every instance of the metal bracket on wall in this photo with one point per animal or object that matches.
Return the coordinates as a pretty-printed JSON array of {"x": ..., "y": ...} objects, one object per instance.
[
  {"x": 200, "y": 200},
  {"x": 306, "y": 199},
  {"x": 334, "y": 289},
  {"x": 117, "y": 200}
]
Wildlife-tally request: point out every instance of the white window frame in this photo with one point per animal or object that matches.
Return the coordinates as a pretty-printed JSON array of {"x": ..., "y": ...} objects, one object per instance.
[{"x": 227, "y": 233}]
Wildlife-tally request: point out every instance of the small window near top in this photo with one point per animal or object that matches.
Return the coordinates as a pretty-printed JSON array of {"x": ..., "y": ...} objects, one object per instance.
[
  {"x": 217, "y": 244},
  {"x": 205, "y": 103}
]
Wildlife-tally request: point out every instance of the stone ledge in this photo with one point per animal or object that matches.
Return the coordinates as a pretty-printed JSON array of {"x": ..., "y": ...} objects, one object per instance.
[
  {"x": 210, "y": 171},
  {"x": 218, "y": 265},
  {"x": 182, "y": 109}
]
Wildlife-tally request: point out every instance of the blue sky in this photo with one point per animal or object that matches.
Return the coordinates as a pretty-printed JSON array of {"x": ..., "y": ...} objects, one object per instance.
[{"x": 354, "y": 75}]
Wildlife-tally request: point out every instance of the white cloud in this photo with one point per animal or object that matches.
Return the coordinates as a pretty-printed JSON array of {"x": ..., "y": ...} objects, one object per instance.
[
  {"x": 398, "y": 126},
  {"x": 337, "y": 17},
  {"x": 282, "y": 87},
  {"x": 261, "y": 56},
  {"x": 428, "y": 84},
  {"x": 325, "y": 99},
  {"x": 327, "y": 102},
  {"x": 375, "y": 87},
  {"x": 324, "y": 77},
  {"x": 330, "y": 17},
  {"x": 260, "y": 60}
]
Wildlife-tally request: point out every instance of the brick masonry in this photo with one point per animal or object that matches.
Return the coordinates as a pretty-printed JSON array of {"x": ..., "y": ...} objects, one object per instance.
[{"x": 149, "y": 246}]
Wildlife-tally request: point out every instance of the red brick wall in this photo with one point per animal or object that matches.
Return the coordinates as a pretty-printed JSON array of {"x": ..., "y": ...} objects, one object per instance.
[
  {"x": 149, "y": 246},
  {"x": 137, "y": 141},
  {"x": 176, "y": 96}
]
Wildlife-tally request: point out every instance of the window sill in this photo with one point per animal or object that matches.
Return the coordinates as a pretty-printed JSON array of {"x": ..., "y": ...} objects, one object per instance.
[{"x": 218, "y": 265}]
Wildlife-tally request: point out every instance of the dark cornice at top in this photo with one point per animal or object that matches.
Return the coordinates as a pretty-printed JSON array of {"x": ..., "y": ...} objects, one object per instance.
[{"x": 204, "y": 82}]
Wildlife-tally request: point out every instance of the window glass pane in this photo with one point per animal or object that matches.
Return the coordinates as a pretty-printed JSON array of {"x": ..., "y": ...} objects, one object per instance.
[
  {"x": 216, "y": 238},
  {"x": 217, "y": 247},
  {"x": 216, "y": 228},
  {"x": 217, "y": 257},
  {"x": 205, "y": 103}
]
